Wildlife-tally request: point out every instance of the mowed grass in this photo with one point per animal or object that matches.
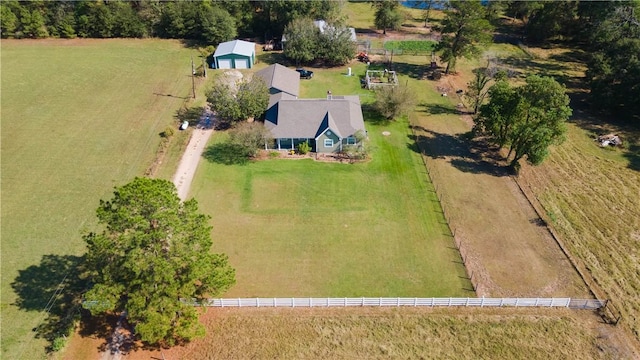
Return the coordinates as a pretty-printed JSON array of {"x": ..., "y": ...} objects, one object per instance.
[
  {"x": 407, "y": 333},
  {"x": 78, "y": 117},
  {"x": 306, "y": 228}
]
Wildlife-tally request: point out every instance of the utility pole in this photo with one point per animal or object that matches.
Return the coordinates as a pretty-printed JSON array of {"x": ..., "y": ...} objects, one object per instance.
[
  {"x": 204, "y": 68},
  {"x": 193, "y": 77}
]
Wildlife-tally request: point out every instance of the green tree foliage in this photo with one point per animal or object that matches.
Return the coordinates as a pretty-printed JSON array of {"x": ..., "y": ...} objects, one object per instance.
[
  {"x": 527, "y": 119},
  {"x": 388, "y": 15},
  {"x": 552, "y": 20},
  {"x": 495, "y": 9},
  {"x": 465, "y": 28},
  {"x": 614, "y": 68},
  {"x": 8, "y": 20},
  {"x": 249, "y": 136},
  {"x": 238, "y": 101},
  {"x": 335, "y": 46},
  {"x": 153, "y": 251},
  {"x": 302, "y": 40},
  {"x": 252, "y": 98},
  {"x": 197, "y": 20},
  {"x": 393, "y": 101},
  {"x": 477, "y": 88},
  {"x": 272, "y": 16},
  {"x": 306, "y": 43}
]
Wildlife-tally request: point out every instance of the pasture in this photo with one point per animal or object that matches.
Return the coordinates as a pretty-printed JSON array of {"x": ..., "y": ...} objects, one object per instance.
[
  {"x": 78, "y": 117},
  {"x": 387, "y": 333}
]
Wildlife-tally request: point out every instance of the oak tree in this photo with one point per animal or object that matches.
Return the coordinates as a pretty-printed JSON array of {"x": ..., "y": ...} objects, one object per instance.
[
  {"x": 527, "y": 119},
  {"x": 235, "y": 101}
]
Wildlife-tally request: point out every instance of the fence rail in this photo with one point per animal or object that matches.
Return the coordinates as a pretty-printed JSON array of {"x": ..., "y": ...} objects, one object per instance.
[{"x": 587, "y": 304}]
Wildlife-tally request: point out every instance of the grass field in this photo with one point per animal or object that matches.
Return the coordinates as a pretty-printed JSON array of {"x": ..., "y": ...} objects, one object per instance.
[
  {"x": 384, "y": 333},
  {"x": 591, "y": 198},
  {"x": 395, "y": 334},
  {"x": 78, "y": 117},
  {"x": 589, "y": 195},
  {"x": 305, "y": 228}
]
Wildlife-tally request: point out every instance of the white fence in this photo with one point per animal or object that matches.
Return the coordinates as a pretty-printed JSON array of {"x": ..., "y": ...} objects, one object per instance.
[{"x": 588, "y": 304}]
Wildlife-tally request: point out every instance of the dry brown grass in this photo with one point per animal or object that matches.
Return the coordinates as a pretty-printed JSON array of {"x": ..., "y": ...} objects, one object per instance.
[
  {"x": 390, "y": 333},
  {"x": 592, "y": 201}
]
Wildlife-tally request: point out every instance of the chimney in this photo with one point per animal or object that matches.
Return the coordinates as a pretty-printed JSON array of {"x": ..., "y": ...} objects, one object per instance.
[{"x": 329, "y": 97}]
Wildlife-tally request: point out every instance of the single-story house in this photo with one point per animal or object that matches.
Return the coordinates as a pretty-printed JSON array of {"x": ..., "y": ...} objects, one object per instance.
[
  {"x": 280, "y": 79},
  {"x": 325, "y": 124},
  {"x": 236, "y": 54}
]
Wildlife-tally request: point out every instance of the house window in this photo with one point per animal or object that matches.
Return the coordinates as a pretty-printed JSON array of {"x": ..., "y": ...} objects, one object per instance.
[
  {"x": 351, "y": 140},
  {"x": 328, "y": 142}
]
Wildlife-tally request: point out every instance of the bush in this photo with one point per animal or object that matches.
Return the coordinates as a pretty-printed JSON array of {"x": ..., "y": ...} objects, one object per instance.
[
  {"x": 249, "y": 136},
  {"x": 167, "y": 133},
  {"x": 58, "y": 343},
  {"x": 393, "y": 101},
  {"x": 304, "y": 148}
]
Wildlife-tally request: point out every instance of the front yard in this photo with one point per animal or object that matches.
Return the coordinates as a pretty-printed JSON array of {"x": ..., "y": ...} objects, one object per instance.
[{"x": 306, "y": 228}]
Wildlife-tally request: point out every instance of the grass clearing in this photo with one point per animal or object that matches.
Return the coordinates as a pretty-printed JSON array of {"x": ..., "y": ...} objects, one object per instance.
[
  {"x": 305, "y": 228},
  {"x": 410, "y": 47},
  {"x": 78, "y": 117}
]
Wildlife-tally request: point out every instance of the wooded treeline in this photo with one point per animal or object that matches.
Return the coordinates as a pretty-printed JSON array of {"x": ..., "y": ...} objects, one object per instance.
[
  {"x": 207, "y": 21},
  {"x": 608, "y": 31}
]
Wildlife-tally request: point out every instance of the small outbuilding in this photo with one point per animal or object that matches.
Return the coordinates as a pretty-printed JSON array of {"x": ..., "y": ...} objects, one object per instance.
[{"x": 236, "y": 54}]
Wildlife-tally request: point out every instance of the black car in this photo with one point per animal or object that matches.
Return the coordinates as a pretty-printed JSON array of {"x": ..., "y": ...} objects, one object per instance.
[{"x": 305, "y": 74}]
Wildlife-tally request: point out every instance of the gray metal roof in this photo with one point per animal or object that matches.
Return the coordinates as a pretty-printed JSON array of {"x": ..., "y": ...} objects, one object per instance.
[
  {"x": 308, "y": 118},
  {"x": 239, "y": 47},
  {"x": 273, "y": 99},
  {"x": 281, "y": 78}
]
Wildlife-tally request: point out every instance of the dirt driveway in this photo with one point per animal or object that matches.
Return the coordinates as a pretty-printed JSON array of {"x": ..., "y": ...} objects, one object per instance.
[
  {"x": 191, "y": 157},
  {"x": 189, "y": 163}
]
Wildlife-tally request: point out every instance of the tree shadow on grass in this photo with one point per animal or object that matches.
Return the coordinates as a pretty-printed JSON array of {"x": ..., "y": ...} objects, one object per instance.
[
  {"x": 226, "y": 154},
  {"x": 372, "y": 116},
  {"x": 472, "y": 156},
  {"x": 192, "y": 115},
  {"x": 414, "y": 71},
  {"x": 437, "y": 109},
  {"x": 55, "y": 286},
  {"x": 272, "y": 57}
]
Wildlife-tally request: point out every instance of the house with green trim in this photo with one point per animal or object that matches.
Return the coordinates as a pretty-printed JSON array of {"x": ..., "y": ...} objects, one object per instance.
[{"x": 327, "y": 125}]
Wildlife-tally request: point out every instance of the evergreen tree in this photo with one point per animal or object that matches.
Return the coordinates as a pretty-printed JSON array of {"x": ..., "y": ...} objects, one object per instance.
[
  {"x": 387, "y": 15},
  {"x": 152, "y": 258}
]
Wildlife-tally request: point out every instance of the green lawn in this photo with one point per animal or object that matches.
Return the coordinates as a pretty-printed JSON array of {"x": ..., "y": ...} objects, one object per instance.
[
  {"x": 78, "y": 117},
  {"x": 305, "y": 228}
]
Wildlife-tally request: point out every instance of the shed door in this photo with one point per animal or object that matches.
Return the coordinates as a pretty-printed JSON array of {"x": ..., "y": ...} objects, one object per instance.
[
  {"x": 224, "y": 63},
  {"x": 241, "y": 63}
]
